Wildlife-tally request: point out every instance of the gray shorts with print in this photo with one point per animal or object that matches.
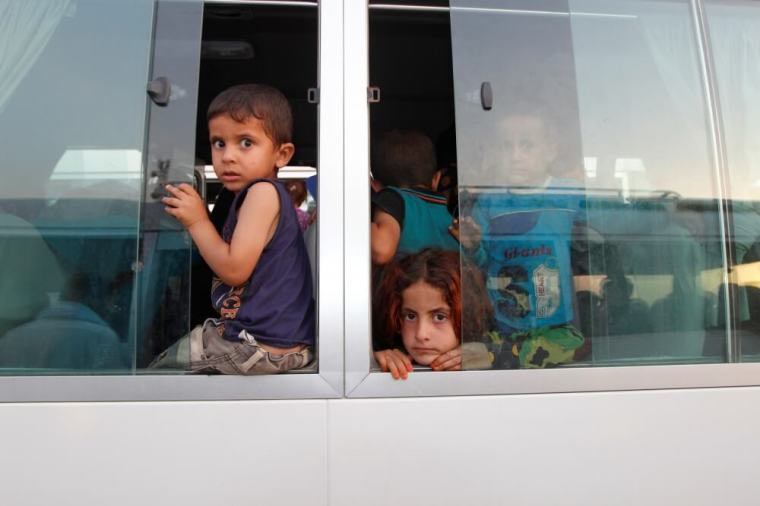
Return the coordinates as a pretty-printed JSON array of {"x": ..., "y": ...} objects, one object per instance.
[{"x": 205, "y": 351}]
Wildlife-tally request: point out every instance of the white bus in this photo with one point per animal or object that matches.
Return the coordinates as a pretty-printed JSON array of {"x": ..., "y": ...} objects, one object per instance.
[{"x": 655, "y": 107}]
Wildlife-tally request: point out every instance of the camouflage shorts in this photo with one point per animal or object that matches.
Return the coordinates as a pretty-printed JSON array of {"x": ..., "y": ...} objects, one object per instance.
[{"x": 538, "y": 348}]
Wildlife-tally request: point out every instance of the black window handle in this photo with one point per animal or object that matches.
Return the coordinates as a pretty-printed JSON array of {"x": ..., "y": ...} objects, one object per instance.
[
  {"x": 160, "y": 90},
  {"x": 312, "y": 95},
  {"x": 486, "y": 96},
  {"x": 373, "y": 94}
]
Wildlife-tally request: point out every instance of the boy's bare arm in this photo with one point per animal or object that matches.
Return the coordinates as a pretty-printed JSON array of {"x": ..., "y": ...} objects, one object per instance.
[
  {"x": 385, "y": 233},
  {"x": 233, "y": 263}
]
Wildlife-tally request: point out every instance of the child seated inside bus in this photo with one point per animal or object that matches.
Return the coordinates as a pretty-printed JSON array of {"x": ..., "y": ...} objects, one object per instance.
[
  {"x": 262, "y": 287},
  {"x": 297, "y": 191},
  {"x": 418, "y": 314},
  {"x": 408, "y": 214},
  {"x": 520, "y": 234}
]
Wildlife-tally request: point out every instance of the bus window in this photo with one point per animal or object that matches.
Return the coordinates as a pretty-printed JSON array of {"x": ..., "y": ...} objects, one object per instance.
[
  {"x": 585, "y": 190},
  {"x": 98, "y": 278},
  {"x": 733, "y": 28},
  {"x": 588, "y": 187},
  {"x": 73, "y": 127}
]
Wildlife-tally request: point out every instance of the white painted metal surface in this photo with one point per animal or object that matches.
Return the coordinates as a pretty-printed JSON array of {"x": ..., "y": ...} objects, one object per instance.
[
  {"x": 696, "y": 447},
  {"x": 668, "y": 447},
  {"x": 163, "y": 453}
]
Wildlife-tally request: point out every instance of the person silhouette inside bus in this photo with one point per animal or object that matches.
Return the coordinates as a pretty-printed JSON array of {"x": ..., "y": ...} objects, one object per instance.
[
  {"x": 297, "y": 191},
  {"x": 418, "y": 314},
  {"x": 70, "y": 334},
  {"x": 520, "y": 236},
  {"x": 408, "y": 213},
  {"x": 262, "y": 287}
]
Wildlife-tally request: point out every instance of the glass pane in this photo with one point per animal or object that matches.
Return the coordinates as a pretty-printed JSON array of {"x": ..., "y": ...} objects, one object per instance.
[
  {"x": 587, "y": 194},
  {"x": 735, "y": 39},
  {"x": 165, "y": 248},
  {"x": 72, "y": 123}
]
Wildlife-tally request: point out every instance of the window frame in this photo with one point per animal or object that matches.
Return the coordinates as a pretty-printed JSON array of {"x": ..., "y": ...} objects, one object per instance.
[
  {"x": 328, "y": 381},
  {"x": 344, "y": 297},
  {"x": 363, "y": 382}
]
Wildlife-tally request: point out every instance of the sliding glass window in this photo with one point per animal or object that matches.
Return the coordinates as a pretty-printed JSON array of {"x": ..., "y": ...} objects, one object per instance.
[
  {"x": 589, "y": 200},
  {"x": 734, "y": 34}
]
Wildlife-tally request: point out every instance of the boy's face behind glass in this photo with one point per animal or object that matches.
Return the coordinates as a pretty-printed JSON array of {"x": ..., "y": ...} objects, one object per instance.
[
  {"x": 526, "y": 152},
  {"x": 243, "y": 151}
]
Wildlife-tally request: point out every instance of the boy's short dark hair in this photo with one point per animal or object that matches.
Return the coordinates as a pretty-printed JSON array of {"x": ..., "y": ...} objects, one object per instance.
[
  {"x": 259, "y": 101},
  {"x": 403, "y": 158}
]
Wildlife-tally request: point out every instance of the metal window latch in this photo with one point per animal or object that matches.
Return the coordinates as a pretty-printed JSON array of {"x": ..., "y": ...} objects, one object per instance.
[
  {"x": 486, "y": 96},
  {"x": 312, "y": 95},
  {"x": 373, "y": 94},
  {"x": 160, "y": 90},
  {"x": 199, "y": 181},
  {"x": 159, "y": 178}
]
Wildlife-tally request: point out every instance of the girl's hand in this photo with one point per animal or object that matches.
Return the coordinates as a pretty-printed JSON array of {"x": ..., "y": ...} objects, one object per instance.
[
  {"x": 185, "y": 204},
  {"x": 394, "y": 361},
  {"x": 466, "y": 231},
  {"x": 449, "y": 361}
]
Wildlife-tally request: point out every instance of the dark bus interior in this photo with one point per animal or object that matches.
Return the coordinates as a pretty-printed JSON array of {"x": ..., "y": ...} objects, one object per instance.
[
  {"x": 270, "y": 44},
  {"x": 410, "y": 62}
]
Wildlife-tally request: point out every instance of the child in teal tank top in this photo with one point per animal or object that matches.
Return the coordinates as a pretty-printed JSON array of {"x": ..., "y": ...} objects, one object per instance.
[{"x": 408, "y": 214}]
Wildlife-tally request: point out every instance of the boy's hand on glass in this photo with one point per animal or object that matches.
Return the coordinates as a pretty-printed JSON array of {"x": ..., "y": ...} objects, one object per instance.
[
  {"x": 475, "y": 355},
  {"x": 394, "y": 361},
  {"x": 466, "y": 231},
  {"x": 449, "y": 361},
  {"x": 185, "y": 204}
]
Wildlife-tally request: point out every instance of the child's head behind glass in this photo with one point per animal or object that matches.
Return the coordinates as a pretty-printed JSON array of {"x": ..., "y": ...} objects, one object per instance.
[
  {"x": 405, "y": 159},
  {"x": 527, "y": 145}
]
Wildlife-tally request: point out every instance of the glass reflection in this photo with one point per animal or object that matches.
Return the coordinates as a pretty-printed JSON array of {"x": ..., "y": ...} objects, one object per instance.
[
  {"x": 734, "y": 29},
  {"x": 587, "y": 195},
  {"x": 72, "y": 124}
]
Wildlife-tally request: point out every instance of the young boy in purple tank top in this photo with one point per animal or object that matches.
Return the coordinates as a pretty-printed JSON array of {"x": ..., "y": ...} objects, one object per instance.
[{"x": 262, "y": 286}]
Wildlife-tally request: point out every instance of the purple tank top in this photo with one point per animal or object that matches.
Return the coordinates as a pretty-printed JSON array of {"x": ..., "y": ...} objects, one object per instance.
[{"x": 275, "y": 306}]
